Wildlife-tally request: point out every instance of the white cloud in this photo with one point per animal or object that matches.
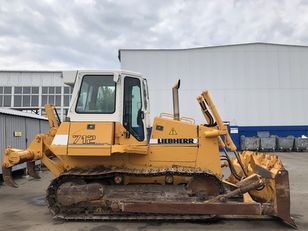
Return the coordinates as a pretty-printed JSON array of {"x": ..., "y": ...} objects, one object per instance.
[{"x": 53, "y": 34}]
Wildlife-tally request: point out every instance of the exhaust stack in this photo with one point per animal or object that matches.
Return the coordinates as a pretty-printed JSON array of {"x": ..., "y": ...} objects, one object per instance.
[{"x": 175, "y": 96}]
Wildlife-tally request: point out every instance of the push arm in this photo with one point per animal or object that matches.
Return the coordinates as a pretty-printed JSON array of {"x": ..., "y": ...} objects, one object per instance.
[{"x": 204, "y": 101}]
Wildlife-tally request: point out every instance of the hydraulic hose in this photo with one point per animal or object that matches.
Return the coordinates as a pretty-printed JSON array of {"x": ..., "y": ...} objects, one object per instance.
[{"x": 232, "y": 169}]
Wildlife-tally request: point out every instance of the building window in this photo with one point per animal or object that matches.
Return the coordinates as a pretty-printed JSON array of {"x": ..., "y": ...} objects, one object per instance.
[
  {"x": 5, "y": 96},
  {"x": 58, "y": 90},
  {"x": 26, "y": 101},
  {"x": 66, "y": 90},
  {"x": 7, "y": 90},
  {"x": 34, "y": 100},
  {"x": 26, "y": 97},
  {"x": 58, "y": 100},
  {"x": 35, "y": 90},
  {"x": 51, "y": 99},
  {"x": 44, "y": 90},
  {"x": 44, "y": 100},
  {"x": 51, "y": 90},
  {"x": 17, "y": 100},
  {"x": 26, "y": 90},
  {"x": 53, "y": 95},
  {"x": 67, "y": 96},
  {"x": 18, "y": 90},
  {"x": 7, "y": 101}
]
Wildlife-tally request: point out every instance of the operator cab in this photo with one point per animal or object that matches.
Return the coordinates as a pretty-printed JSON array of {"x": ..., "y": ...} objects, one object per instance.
[{"x": 110, "y": 96}]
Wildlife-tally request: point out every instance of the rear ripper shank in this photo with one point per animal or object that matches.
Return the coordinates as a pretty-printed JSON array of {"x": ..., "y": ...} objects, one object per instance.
[{"x": 109, "y": 166}]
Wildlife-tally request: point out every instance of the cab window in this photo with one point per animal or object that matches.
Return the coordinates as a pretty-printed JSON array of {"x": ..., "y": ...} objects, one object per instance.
[
  {"x": 97, "y": 95},
  {"x": 133, "y": 114}
]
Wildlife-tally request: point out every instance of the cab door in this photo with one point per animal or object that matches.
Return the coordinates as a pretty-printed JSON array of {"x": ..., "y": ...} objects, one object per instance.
[{"x": 133, "y": 109}]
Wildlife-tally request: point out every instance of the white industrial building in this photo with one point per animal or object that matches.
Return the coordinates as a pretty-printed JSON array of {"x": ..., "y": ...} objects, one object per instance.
[
  {"x": 256, "y": 84},
  {"x": 31, "y": 90}
]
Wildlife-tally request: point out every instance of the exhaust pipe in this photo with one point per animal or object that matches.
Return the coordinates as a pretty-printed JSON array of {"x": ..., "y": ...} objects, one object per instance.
[{"x": 175, "y": 95}]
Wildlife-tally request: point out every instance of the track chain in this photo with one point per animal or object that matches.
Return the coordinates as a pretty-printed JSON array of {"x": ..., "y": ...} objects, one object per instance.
[{"x": 108, "y": 173}]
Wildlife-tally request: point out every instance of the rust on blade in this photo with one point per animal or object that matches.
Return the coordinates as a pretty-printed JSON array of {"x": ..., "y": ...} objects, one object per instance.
[
  {"x": 198, "y": 208},
  {"x": 283, "y": 197}
]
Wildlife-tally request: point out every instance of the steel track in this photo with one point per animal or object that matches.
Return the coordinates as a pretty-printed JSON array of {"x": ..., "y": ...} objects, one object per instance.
[
  {"x": 140, "y": 217},
  {"x": 103, "y": 173}
]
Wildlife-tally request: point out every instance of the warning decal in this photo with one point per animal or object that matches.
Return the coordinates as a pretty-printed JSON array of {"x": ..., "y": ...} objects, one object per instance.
[{"x": 172, "y": 132}]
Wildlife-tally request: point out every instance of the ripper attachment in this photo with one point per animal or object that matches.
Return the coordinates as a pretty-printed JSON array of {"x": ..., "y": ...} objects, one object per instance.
[{"x": 36, "y": 150}]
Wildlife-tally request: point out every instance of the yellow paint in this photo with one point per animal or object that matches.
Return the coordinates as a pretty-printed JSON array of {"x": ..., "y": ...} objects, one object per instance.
[
  {"x": 208, "y": 152},
  {"x": 129, "y": 149},
  {"x": 183, "y": 129},
  {"x": 269, "y": 163},
  {"x": 223, "y": 129},
  {"x": 92, "y": 144},
  {"x": 109, "y": 144}
]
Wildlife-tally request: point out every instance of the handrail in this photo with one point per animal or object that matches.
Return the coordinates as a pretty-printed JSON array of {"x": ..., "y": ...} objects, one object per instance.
[{"x": 183, "y": 119}]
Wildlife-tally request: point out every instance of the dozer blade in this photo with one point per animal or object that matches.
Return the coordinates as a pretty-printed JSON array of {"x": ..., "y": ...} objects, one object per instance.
[
  {"x": 31, "y": 170},
  {"x": 276, "y": 190},
  {"x": 7, "y": 177},
  {"x": 283, "y": 197}
]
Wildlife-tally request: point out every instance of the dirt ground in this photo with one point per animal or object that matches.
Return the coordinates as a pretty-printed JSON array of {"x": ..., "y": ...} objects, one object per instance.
[{"x": 25, "y": 208}]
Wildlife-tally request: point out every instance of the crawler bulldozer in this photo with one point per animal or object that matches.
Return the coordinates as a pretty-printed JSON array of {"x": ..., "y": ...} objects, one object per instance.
[{"x": 110, "y": 163}]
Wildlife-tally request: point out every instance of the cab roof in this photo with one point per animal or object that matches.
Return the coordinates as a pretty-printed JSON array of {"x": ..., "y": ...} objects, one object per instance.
[{"x": 70, "y": 75}]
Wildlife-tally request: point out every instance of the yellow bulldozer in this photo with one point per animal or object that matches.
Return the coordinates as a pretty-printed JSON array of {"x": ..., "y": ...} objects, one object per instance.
[{"x": 109, "y": 165}]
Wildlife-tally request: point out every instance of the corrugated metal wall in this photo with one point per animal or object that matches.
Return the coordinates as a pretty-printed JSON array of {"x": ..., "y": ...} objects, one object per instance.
[
  {"x": 32, "y": 129},
  {"x": 31, "y": 78},
  {"x": 44, "y": 126},
  {"x": 2, "y": 136},
  {"x": 28, "y": 127},
  {"x": 12, "y": 124},
  {"x": 252, "y": 84}
]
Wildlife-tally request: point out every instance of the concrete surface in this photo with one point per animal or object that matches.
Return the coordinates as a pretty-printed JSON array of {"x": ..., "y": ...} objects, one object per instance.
[{"x": 25, "y": 208}]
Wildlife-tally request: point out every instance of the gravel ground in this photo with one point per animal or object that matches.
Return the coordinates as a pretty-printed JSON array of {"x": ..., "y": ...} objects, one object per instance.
[{"x": 25, "y": 208}]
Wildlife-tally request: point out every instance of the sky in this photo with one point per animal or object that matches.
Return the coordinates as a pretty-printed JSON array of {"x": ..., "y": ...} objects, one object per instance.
[{"x": 87, "y": 34}]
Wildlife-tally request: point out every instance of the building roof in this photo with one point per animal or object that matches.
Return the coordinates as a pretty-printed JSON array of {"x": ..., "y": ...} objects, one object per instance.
[
  {"x": 214, "y": 46},
  {"x": 8, "y": 111}
]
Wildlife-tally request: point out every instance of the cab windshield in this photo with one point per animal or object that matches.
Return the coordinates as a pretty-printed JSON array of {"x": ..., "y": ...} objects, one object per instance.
[{"x": 97, "y": 95}]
